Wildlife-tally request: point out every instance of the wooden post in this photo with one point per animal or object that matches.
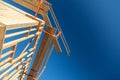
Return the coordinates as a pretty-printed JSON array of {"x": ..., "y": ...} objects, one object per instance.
[
  {"x": 2, "y": 35},
  {"x": 47, "y": 39},
  {"x": 57, "y": 45},
  {"x": 12, "y": 55},
  {"x": 47, "y": 21},
  {"x": 29, "y": 29}
]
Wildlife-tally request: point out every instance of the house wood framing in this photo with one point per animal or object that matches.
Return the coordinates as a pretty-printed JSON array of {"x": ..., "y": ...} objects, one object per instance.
[{"x": 17, "y": 26}]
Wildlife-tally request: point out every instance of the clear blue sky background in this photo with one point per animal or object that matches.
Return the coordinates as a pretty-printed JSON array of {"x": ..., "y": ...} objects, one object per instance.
[{"x": 92, "y": 29}]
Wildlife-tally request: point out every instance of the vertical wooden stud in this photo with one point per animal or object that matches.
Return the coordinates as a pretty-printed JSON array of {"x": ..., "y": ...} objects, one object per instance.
[
  {"x": 12, "y": 55},
  {"x": 27, "y": 34},
  {"x": 47, "y": 39},
  {"x": 2, "y": 35}
]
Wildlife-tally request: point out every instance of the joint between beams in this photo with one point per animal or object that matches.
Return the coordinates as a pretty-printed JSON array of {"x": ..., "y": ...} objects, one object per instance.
[
  {"x": 40, "y": 22},
  {"x": 12, "y": 55},
  {"x": 53, "y": 35}
]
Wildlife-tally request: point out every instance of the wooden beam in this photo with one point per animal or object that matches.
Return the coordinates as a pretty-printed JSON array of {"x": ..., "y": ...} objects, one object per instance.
[
  {"x": 5, "y": 61},
  {"x": 15, "y": 60},
  {"x": 47, "y": 20},
  {"x": 29, "y": 55},
  {"x": 12, "y": 55},
  {"x": 13, "y": 19},
  {"x": 46, "y": 41},
  {"x": 18, "y": 33},
  {"x": 57, "y": 46},
  {"x": 10, "y": 27},
  {"x": 13, "y": 72},
  {"x": 14, "y": 77},
  {"x": 40, "y": 22},
  {"x": 6, "y": 72},
  {"x": 32, "y": 5},
  {"x": 29, "y": 29},
  {"x": 36, "y": 40},
  {"x": 9, "y": 44},
  {"x": 6, "y": 54}
]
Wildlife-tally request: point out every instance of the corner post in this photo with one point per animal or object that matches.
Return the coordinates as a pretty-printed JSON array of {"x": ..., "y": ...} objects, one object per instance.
[{"x": 2, "y": 36}]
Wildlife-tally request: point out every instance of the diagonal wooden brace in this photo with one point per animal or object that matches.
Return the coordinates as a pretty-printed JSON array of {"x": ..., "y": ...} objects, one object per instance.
[{"x": 57, "y": 45}]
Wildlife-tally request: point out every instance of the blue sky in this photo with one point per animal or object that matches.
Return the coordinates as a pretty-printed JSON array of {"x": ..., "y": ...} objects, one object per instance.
[{"x": 92, "y": 29}]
